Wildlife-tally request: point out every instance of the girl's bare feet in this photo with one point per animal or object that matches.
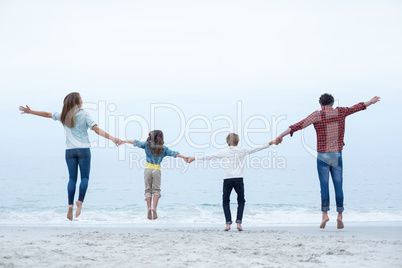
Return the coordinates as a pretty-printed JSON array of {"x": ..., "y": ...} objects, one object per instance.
[
  {"x": 78, "y": 211},
  {"x": 149, "y": 216},
  {"x": 340, "y": 222},
  {"x": 239, "y": 227},
  {"x": 70, "y": 212},
  {"x": 154, "y": 214},
  {"x": 325, "y": 219},
  {"x": 227, "y": 228}
]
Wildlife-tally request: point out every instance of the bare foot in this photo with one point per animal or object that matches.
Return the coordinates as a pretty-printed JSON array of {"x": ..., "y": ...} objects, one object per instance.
[
  {"x": 340, "y": 223},
  {"x": 154, "y": 214},
  {"x": 149, "y": 216},
  {"x": 325, "y": 219},
  {"x": 70, "y": 212},
  {"x": 227, "y": 228},
  {"x": 239, "y": 227},
  {"x": 78, "y": 211}
]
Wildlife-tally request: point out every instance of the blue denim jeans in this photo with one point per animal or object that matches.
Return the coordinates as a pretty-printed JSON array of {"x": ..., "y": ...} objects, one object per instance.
[
  {"x": 330, "y": 163},
  {"x": 80, "y": 157},
  {"x": 238, "y": 185}
]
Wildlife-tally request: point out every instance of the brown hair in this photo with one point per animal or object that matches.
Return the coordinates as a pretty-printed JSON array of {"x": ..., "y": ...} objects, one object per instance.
[
  {"x": 232, "y": 139},
  {"x": 72, "y": 102},
  {"x": 155, "y": 142}
]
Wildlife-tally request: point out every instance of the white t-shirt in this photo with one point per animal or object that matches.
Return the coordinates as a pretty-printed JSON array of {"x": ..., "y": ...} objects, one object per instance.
[
  {"x": 232, "y": 159},
  {"x": 77, "y": 136}
]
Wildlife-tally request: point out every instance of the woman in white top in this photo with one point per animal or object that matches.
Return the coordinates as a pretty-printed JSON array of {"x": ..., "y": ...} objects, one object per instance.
[{"x": 76, "y": 123}]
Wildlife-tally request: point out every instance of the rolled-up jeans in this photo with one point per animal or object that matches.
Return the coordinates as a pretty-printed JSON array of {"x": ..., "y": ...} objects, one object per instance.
[{"x": 330, "y": 163}]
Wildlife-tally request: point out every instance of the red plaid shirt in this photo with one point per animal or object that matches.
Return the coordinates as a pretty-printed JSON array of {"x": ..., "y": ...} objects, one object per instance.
[{"x": 329, "y": 125}]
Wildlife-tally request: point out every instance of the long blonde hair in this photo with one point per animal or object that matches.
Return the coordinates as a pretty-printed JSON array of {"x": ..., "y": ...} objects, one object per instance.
[{"x": 72, "y": 102}]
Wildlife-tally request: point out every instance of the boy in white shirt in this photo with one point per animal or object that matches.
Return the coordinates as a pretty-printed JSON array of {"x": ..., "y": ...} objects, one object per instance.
[{"x": 233, "y": 158}]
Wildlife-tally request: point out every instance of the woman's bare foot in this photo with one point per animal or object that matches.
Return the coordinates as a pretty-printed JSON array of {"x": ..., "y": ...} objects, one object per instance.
[
  {"x": 149, "y": 216},
  {"x": 239, "y": 227},
  {"x": 227, "y": 228},
  {"x": 70, "y": 212},
  {"x": 340, "y": 223},
  {"x": 78, "y": 211},
  {"x": 154, "y": 214},
  {"x": 325, "y": 219}
]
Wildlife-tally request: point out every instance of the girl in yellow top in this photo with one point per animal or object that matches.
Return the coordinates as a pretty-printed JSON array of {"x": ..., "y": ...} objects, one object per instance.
[{"x": 155, "y": 152}]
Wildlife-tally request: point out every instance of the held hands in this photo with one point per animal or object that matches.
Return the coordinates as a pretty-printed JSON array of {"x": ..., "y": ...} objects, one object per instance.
[
  {"x": 25, "y": 110},
  {"x": 118, "y": 142},
  {"x": 189, "y": 159},
  {"x": 276, "y": 141}
]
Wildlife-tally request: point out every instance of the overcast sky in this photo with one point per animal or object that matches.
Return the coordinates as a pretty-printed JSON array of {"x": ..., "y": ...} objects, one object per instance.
[{"x": 276, "y": 57}]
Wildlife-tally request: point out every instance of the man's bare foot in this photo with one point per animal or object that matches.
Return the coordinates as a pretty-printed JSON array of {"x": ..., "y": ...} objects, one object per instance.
[
  {"x": 70, "y": 212},
  {"x": 149, "y": 216},
  {"x": 325, "y": 219},
  {"x": 154, "y": 214},
  {"x": 78, "y": 211},
  {"x": 227, "y": 228},
  {"x": 239, "y": 227},
  {"x": 340, "y": 223}
]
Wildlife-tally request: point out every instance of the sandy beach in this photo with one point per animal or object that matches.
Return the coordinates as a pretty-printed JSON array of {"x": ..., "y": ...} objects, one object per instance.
[{"x": 104, "y": 246}]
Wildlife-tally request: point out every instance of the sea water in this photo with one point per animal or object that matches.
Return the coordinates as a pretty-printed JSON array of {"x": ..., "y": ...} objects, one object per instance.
[{"x": 33, "y": 192}]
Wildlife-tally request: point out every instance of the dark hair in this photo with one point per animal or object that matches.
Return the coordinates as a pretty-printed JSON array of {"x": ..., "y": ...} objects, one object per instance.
[
  {"x": 326, "y": 100},
  {"x": 155, "y": 142},
  {"x": 72, "y": 102}
]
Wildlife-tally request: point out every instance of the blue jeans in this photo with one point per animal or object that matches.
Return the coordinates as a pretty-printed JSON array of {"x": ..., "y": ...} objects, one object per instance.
[
  {"x": 238, "y": 185},
  {"x": 330, "y": 163},
  {"x": 80, "y": 157}
]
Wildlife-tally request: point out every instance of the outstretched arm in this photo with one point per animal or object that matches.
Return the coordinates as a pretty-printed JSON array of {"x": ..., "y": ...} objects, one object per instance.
[
  {"x": 136, "y": 143},
  {"x": 372, "y": 101},
  {"x": 262, "y": 147},
  {"x": 311, "y": 119},
  {"x": 186, "y": 158},
  {"x": 27, "y": 110},
  {"x": 126, "y": 141},
  {"x": 221, "y": 154},
  {"x": 217, "y": 155},
  {"x": 359, "y": 107},
  {"x": 102, "y": 133}
]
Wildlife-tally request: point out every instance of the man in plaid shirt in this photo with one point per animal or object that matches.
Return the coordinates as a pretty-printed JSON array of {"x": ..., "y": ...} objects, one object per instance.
[{"x": 329, "y": 124}]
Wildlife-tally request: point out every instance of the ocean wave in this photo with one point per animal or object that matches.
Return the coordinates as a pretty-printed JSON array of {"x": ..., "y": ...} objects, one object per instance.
[{"x": 190, "y": 215}]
